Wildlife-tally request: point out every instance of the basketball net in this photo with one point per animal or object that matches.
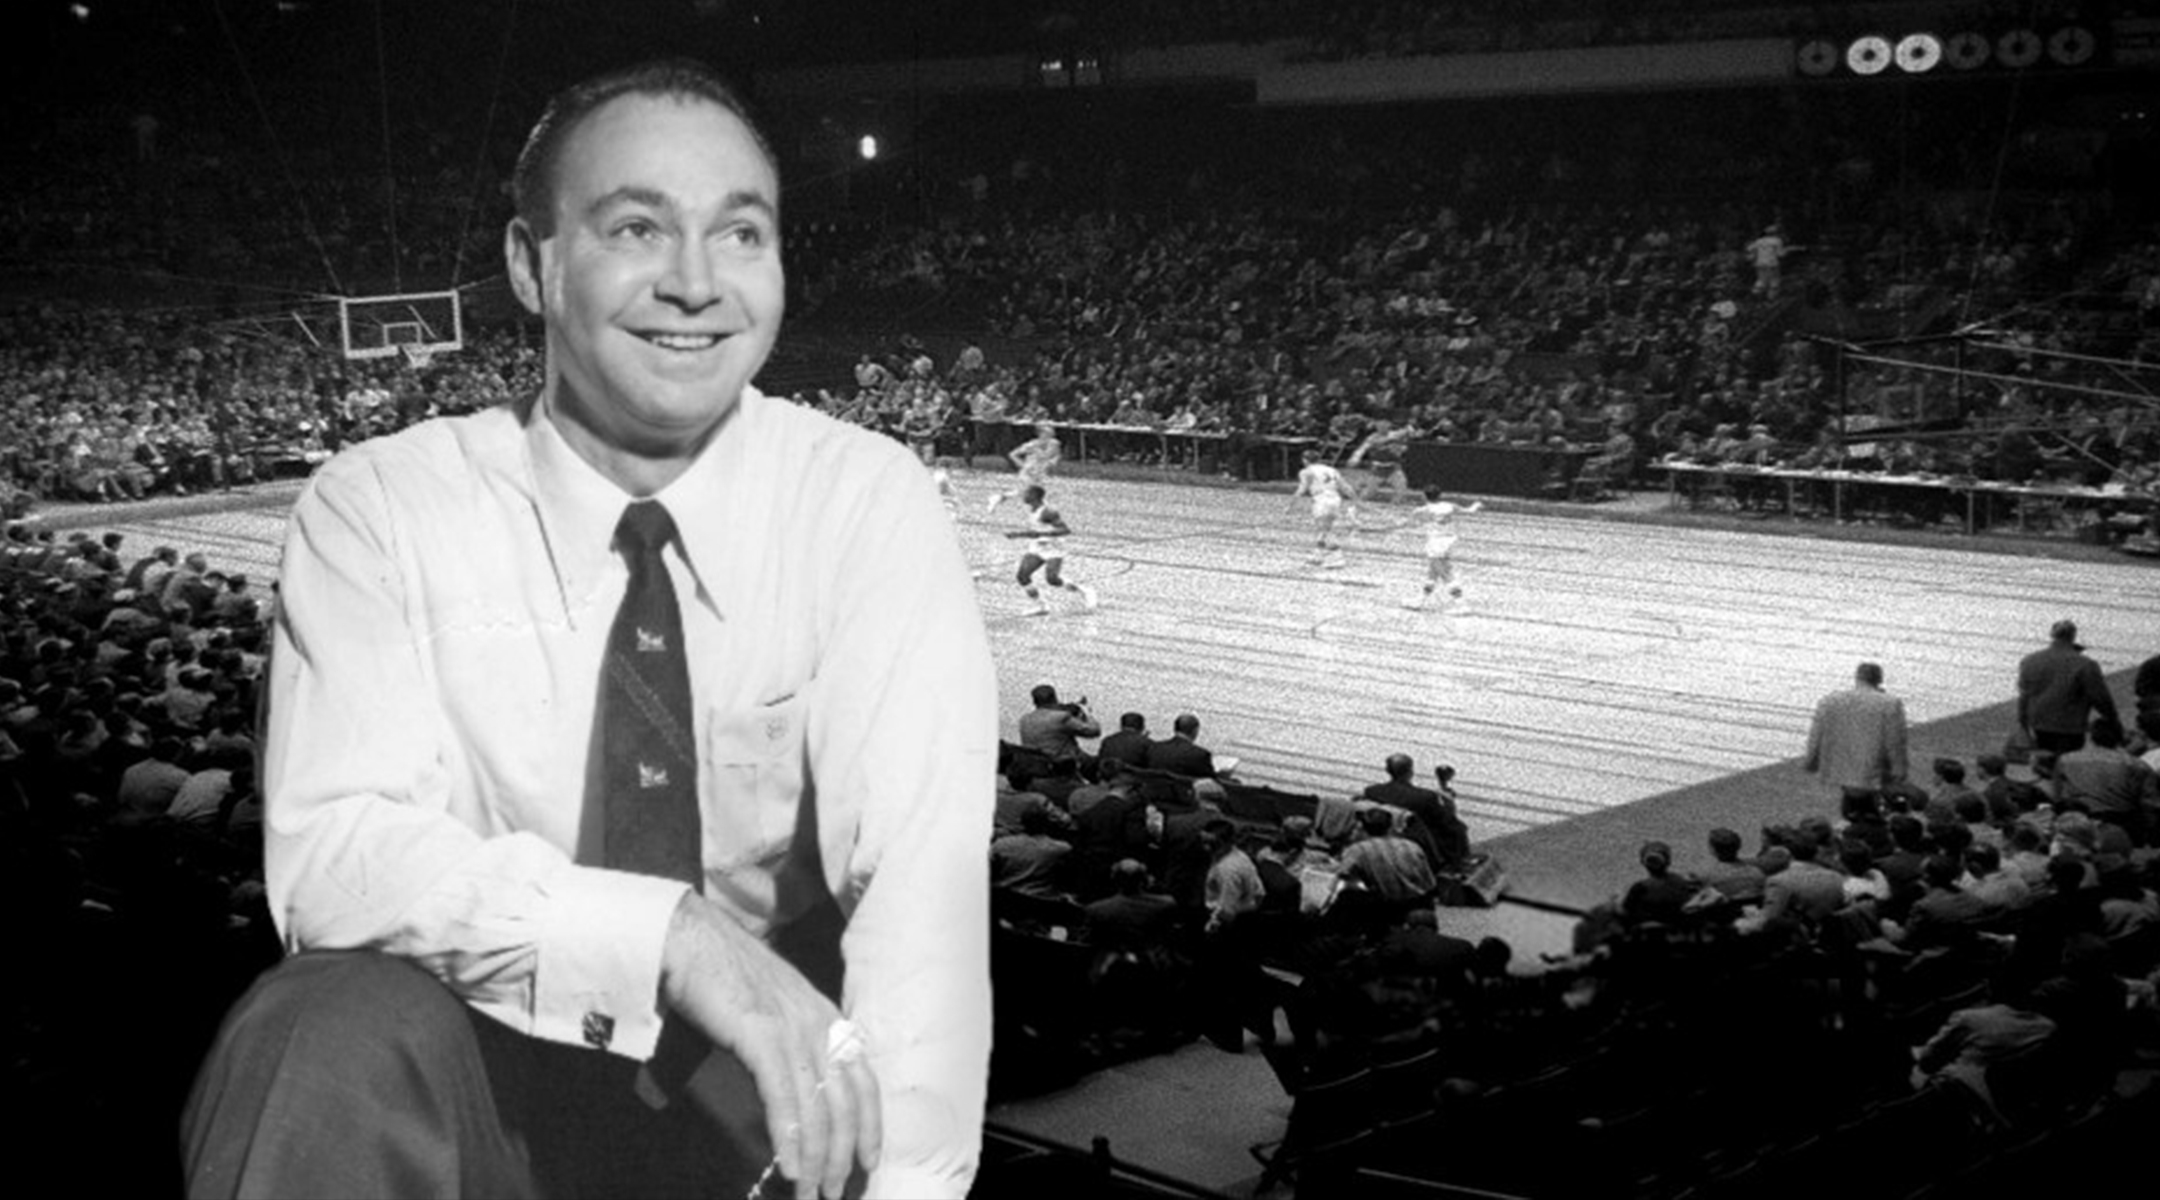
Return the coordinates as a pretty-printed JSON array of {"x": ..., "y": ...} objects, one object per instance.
[{"x": 417, "y": 354}]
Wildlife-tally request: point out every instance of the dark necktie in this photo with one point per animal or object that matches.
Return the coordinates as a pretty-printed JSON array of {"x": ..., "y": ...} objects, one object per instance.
[{"x": 648, "y": 751}]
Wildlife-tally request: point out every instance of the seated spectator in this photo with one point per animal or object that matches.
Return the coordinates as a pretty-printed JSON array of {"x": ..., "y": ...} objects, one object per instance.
[
  {"x": 1449, "y": 838},
  {"x": 2110, "y": 783},
  {"x": 1129, "y": 745},
  {"x": 2002, "y": 891},
  {"x": 202, "y": 797},
  {"x": 235, "y": 604},
  {"x": 1972, "y": 811},
  {"x": 1976, "y": 1039},
  {"x": 1660, "y": 895},
  {"x": 1181, "y": 752},
  {"x": 1805, "y": 891},
  {"x": 1131, "y": 917},
  {"x": 1031, "y": 862},
  {"x": 1863, "y": 820},
  {"x": 1946, "y": 916},
  {"x": 1418, "y": 948},
  {"x": 1740, "y": 882},
  {"x": 1393, "y": 866},
  {"x": 189, "y": 698},
  {"x": 2006, "y": 798},
  {"x": 1948, "y": 790},
  {"x": 148, "y": 787},
  {"x": 2027, "y": 857},
  {"x": 1113, "y": 781},
  {"x": 1864, "y": 881},
  {"x": 1015, "y": 800}
]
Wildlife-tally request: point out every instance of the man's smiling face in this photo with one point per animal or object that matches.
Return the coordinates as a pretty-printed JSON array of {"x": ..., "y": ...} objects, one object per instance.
[{"x": 661, "y": 281}]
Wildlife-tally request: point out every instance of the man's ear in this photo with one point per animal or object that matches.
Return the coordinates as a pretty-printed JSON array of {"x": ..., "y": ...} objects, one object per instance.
[{"x": 521, "y": 258}]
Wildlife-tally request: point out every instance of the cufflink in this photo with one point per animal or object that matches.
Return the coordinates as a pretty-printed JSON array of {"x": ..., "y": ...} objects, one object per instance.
[{"x": 599, "y": 1030}]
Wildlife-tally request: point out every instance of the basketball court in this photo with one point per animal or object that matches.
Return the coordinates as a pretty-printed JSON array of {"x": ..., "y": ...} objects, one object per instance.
[{"x": 1594, "y": 664}]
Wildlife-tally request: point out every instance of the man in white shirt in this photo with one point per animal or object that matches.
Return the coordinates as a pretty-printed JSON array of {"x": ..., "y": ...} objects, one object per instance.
[{"x": 477, "y": 995}]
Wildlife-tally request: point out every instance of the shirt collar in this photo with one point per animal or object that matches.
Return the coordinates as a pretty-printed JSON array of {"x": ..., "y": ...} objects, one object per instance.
[{"x": 579, "y": 507}]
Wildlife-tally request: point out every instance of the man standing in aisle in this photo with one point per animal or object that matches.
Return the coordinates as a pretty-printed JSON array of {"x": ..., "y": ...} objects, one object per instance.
[
  {"x": 629, "y": 758},
  {"x": 1857, "y": 739},
  {"x": 2059, "y": 689}
]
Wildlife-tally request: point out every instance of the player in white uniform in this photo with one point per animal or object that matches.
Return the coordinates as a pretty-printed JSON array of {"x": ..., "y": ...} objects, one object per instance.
[
  {"x": 1034, "y": 458},
  {"x": 941, "y": 475},
  {"x": 1330, "y": 494},
  {"x": 1438, "y": 518},
  {"x": 1045, "y": 552}
]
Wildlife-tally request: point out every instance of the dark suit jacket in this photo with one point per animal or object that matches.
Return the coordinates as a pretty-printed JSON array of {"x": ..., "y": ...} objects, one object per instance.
[
  {"x": 1449, "y": 837},
  {"x": 1122, "y": 921},
  {"x": 2059, "y": 688},
  {"x": 1181, "y": 756},
  {"x": 1126, "y": 746}
]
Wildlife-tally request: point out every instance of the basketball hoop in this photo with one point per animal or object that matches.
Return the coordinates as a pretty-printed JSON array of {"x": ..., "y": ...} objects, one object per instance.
[{"x": 418, "y": 355}]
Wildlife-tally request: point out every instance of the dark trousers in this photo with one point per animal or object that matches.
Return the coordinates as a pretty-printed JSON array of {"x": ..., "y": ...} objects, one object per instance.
[
  {"x": 2055, "y": 742},
  {"x": 358, "y": 1074}
]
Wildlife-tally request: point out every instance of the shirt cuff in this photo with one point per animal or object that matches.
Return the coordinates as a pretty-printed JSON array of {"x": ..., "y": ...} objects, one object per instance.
[
  {"x": 598, "y": 979},
  {"x": 912, "y": 1183}
]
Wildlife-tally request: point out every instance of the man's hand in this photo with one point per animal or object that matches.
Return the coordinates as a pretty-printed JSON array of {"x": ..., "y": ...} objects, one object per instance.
[{"x": 821, "y": 1100}]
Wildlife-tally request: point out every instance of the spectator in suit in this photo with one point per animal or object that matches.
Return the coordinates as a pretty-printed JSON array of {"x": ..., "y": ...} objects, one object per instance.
[
  {"x": 2001, "y": 889},
  {"x": 1031, "y": 862},
  {"x": 1947, "y": 915},
  {"x": 2006, "y": 797},
  {"x": 2059, "y": 688},
  {"x": 1131, "y": 917},
  {"x": 1659, "y": 895},
  {"x": 1802, "y": 891},
  {"x": 1129, "y": 745},
  {"x": 1857, "y": 738},
  {"x": 1450, "y": 839},
  {"x": 189, "y": 585},
  {"x": 2109, "y": 782},
  {"x": 1181, "y": 752},
  {"x": 150, "y": 571},
  {"x": 1739, "y": 881},
  {"x": 1113, "y": 781}
]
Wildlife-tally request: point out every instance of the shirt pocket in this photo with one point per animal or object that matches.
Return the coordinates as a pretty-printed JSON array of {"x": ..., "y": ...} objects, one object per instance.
[{"x": 757, "y": 780}]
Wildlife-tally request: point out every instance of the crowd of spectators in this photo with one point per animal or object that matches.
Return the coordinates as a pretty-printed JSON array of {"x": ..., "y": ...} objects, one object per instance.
[
  {"x": 1638, "y": 333},
  {"x": 1978, "y": 957},
  {"x": 129, "y": 679},
  {"x": 111, "y": 404}
]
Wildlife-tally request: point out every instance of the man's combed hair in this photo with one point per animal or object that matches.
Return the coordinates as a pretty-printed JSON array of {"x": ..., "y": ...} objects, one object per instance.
[{"x": 532, "y": 185}]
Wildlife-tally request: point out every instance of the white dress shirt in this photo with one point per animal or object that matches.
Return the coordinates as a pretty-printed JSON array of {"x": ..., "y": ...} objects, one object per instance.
[{"x": 446, "y": 600}]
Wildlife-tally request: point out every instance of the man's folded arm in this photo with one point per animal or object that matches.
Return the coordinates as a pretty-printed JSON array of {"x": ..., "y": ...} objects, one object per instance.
[{"x": 907, "y": 727}]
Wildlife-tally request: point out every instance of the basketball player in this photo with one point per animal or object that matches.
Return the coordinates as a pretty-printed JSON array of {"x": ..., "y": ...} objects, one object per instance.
[
  {"x": 1045, "y": 552},
  {"x": 1330, "y": 494},
  {"x": 941, "y": 474},
  {"x": 1383, "y": 450},
  {"x": 949, "y": 495},
  {"x": 1438, "y": 518},
  {"x": 1034, "y": 458}
]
